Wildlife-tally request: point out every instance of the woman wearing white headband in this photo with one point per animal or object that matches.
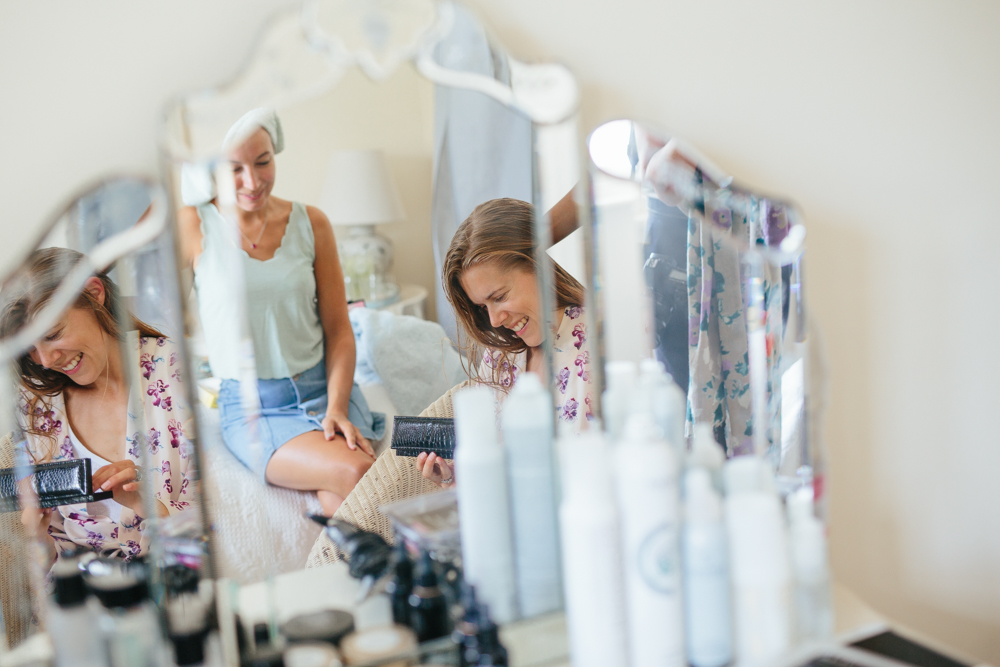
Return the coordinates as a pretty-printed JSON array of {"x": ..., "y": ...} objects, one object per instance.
[{"x": 315, "y": 427}]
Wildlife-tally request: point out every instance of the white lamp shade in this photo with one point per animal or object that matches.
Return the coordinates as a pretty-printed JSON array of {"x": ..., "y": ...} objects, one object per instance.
[{"x": 358, "y": 189}]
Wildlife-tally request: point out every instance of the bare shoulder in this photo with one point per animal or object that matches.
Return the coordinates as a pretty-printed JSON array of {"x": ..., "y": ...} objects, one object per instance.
[
  {"x": 317, "y": 217},
  {"x": 320, "y": 224},
  {"x": 189, "y": 219}
]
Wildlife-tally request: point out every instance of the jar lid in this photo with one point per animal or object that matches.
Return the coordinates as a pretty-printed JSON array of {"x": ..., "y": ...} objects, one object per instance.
[{"x": 329, "y": 625}]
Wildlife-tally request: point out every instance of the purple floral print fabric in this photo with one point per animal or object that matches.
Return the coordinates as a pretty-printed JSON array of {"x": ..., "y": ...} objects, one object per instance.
[{"x": 164, "y": 430}]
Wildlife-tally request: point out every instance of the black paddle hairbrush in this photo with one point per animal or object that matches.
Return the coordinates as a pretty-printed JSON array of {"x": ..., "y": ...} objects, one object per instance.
[{"x": 412, "y": 435}]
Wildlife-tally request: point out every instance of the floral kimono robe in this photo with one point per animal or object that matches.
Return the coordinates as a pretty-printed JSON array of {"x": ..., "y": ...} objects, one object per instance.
[
  {"x": 570, "y": 363},
  {"x": 158, "y": 421}
]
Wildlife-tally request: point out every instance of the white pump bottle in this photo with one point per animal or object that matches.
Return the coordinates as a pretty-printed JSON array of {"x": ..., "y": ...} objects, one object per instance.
[
  {"x": 647, "y": 470},
  {"x": 484, "y": 517},
  {"x": 527, "y": 425}
]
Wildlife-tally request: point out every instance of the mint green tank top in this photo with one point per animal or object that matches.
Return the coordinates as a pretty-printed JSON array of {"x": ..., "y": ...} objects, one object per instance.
[{"x": 281, "y": 305}]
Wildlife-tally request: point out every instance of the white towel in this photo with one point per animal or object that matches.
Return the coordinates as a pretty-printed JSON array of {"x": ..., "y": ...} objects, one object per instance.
[{"x": 197, "y": 182}]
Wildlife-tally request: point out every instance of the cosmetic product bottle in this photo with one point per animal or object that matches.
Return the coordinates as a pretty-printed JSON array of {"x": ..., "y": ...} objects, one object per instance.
[
  {"x": 128, "y": 620},
  {"x": 646, "y": 470},
  {"x": 708, "y": 454},
  {"x": 187, "y": 621},
  {"x": 759, "y": 567},
  {"x": 595, "y": 608},
  {"x": 708, "y": 612},
  {"x": 400, "y": 583},
  {"x": 807, "y": 538},
  {"x": 616, "y": 402},
  {"x": 527, "y": 426},
  {"x": 483, "y": 506},
  {"x": 73, "y": 627},
  {"x": 666, "y": 402},
  {"x": 491, "y": 652},
  {"x": 466, "y": 632},
  {"x": 428, "y": 607}
]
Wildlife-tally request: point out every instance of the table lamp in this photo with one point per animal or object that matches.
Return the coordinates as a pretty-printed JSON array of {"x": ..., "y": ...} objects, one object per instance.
[{"x": 359, "y": 193}]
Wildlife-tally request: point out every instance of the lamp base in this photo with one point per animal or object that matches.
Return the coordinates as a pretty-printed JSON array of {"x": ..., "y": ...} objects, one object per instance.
[{"x": 366, "y": 258}]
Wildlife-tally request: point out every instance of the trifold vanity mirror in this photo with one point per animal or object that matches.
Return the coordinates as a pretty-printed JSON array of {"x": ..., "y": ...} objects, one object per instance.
[{"x": 237, "y": 279}]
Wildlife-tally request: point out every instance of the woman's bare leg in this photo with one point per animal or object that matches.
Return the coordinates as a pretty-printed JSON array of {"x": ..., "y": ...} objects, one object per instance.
[{"x": 310, "y": 462}]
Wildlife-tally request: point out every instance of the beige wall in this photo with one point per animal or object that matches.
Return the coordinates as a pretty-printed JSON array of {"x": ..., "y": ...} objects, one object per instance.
[
  {"x": 394, "y": 116},
  {"x": 882, "y": 119}
]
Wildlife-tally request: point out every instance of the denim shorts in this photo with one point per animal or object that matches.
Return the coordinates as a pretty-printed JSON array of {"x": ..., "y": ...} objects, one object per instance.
[{"x": 289, "y": 407}]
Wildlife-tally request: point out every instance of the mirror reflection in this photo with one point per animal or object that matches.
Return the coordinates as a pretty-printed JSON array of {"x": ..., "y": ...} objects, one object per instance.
[
  {"x": 315, "y": 237},
  {"x": 100, "y": 449},
  {"x": 718, "y": 280}
]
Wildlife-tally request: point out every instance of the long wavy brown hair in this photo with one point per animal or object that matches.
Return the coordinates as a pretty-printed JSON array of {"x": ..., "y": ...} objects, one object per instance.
[
  {"x": 24, "y": 295},
  {"x": 498, "y": 231}
]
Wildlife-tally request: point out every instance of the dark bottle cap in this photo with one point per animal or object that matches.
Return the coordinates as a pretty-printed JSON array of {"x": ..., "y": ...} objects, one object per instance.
[
  {"x": 401, "y": 564},
  {"x": 469, "y": 603},
  {"x": 68, "y": 586},
  {"x": 179, "y": 578},
  {"x": 189, "y": 649},
  {"x": 261, "y": 634},
  {"x": 426, "y": 576},
  {"x": 120, "y": 589},
  {"x": 329, "y": 625}
]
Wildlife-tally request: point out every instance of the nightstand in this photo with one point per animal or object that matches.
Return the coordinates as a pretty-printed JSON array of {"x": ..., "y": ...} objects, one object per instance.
[{"x": 411, "y": 301}]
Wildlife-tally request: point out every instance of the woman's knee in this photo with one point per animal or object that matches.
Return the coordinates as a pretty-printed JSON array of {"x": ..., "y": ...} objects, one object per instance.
[{"x": 357, "y": 466}]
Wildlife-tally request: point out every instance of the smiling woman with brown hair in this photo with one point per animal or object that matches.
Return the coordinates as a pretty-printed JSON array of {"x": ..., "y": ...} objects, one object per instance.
[
  {"x": 75, "y": 403},
  {"x": 489, "y": 278}
]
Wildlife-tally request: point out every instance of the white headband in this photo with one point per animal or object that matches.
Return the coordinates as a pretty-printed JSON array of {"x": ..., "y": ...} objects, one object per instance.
[{"x": 197, "y": 184}]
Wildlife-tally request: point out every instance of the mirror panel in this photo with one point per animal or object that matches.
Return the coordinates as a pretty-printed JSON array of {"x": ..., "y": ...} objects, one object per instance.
[
  {"x": 95, "y": 368},
  {"x": 454, "y": 130},
  {"x": 717, "y": 285}
]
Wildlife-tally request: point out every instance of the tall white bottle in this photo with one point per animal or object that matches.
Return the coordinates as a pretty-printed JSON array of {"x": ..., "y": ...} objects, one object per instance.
[
  {"x": 758, "y": 561},
  {"x": 483, "y": 508},
  {"x": 527, "y": 427},
  {"x": 667, "y": 403},
  {"x": 807, "y": 538},
  {"x": 647, "y": 470},
  {"x": 708, "y": 612},
  {"x": 707, "y": 453},
  {"x": 616, "y": 402},
  {"x": 595, "y": 612}
]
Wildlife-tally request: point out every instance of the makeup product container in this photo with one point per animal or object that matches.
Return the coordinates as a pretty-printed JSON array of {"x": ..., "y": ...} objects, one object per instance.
[
  {"x": 595, "y": 608},
  {"x": 646, "y": 469},
  {"x": 807, "y": 539},
  {"x": 72, "y": 621},
  {"x": 708, "y": 611},
  {"x": 128, "y": 620},
  {"x": 527, "y": 425},
  {"x": 428, "y": 606},
  {"x": 483, "y": 505},
  {"x": 759, "y": 567}
]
